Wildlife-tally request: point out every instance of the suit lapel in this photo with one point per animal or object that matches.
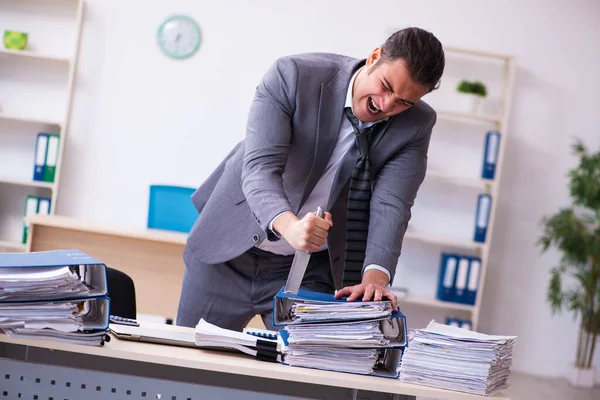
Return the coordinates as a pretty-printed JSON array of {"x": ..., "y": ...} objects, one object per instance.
[{"x": 331, "y": 107}]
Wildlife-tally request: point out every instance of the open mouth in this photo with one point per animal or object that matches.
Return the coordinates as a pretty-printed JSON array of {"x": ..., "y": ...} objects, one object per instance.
[{"x": 373, "y": 109}]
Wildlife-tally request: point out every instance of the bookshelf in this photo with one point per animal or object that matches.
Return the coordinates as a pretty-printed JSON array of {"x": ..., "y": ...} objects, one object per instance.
[
  {"x": 37, "y": 97},
  {"x": 445, "y": 209}
]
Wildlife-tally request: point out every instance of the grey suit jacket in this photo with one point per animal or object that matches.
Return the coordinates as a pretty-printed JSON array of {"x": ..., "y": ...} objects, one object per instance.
[{"x": 292, "y": 128}]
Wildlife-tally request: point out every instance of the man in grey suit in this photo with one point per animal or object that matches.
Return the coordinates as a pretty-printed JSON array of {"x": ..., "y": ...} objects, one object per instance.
[{"x": 257, "y": 207}]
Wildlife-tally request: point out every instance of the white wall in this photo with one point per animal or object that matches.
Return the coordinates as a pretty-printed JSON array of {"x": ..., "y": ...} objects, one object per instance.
[{"x": 140, "y": 118}]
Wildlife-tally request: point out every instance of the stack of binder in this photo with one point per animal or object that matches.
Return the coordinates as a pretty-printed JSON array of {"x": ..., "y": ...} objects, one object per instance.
[
  {"x": 59, "y": 295},
  {"x": 458, "y": 359},
  {"x": 333, "y": 334},
  {"x": 458, "y": 279}
]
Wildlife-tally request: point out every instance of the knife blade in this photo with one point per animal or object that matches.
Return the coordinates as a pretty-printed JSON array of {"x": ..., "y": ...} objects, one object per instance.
[{"x": 301, "y": 259}]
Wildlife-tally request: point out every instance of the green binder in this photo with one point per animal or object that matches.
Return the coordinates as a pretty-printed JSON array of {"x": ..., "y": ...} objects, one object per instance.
[
  {"x": 31, "y": 208},
  {"x": 51, "y": 158}
]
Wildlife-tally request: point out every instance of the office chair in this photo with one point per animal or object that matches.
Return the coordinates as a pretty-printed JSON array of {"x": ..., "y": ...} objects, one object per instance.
[
  {"x": 171, "y": 208},
  {"x": 121, "y": 291}
]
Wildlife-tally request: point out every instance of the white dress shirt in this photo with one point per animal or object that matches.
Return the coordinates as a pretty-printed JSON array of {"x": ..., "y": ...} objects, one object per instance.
[{"x": 320, "y": 194}]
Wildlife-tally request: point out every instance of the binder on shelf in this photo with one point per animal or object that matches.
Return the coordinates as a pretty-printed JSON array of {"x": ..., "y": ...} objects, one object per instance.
[
  {"x": 51, "y": 158},
  {"x": 41, "y": 148},
  {"x": 459, "y": 323},
  {"x": 484, "y": 203},
  {"x": 55, "y": 275},
  {"x": 31, "y": 208},
  {"x": 473, "y": 280},
  {"x": 44, "y": 206},
  {"x": 447, "y": 277},
  {"x": 490, "y": 155},
  {"x": 462, "y": 273}
]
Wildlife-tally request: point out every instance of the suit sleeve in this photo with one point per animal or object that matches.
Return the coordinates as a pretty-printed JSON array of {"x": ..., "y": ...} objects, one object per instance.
[
  {"x": 268, "y": 138},
  {"x": 394, "y": 192}
]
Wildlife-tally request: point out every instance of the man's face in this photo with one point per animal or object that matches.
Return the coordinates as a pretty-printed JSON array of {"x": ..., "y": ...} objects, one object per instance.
[{"x": 384, "y": 89}]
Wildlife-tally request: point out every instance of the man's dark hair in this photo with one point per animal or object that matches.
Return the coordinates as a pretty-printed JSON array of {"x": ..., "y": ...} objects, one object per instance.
[{"x": 422, "y": 52}]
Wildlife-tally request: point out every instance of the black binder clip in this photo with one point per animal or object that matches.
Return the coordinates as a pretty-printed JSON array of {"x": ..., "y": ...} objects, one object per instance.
[{"x": 266, "y": 350}]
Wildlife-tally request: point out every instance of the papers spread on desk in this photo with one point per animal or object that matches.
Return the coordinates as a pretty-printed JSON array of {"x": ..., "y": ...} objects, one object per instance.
[
  {"x": 210, "y": 335},
  {"x": 453, "y": 358}
]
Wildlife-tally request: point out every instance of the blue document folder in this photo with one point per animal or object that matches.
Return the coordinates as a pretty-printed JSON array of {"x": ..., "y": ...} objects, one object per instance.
[
  {"x": 484, "y": 204},
  {"x": 490, "y": 155},
  {"x": 447, "y": 277},
  {"x": 90, "y": 271}
]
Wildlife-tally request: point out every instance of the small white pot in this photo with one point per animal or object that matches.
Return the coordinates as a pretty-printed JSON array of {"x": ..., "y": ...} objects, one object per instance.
[
  {"x": 582, "y": 377},
  {"x": 468, "y": 103}
]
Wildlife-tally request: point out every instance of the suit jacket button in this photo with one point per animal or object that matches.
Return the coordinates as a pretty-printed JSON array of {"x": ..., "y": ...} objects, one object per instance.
[{"x": 255, "y": 238}]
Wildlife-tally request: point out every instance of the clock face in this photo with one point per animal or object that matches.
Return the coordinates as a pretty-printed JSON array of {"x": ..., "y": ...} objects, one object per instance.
[{"x": 179, "y": 36}]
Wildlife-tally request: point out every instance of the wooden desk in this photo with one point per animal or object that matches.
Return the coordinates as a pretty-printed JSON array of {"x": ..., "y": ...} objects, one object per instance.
[
  {"x": 220, "y": 368},
  {"x": 152, "y": 258}
]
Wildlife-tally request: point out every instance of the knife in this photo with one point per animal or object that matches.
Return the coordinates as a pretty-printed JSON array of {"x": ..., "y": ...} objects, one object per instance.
[{"x": 301, "y": 259}]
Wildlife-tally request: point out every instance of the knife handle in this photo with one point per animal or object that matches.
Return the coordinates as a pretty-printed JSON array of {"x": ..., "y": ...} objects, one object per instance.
[{"x": 320, "y": 213}]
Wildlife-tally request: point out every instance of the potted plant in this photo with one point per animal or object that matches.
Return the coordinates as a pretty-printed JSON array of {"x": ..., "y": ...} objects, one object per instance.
[
  {"x": 470, "y": 95},
  {"x": 575, "y": 283}
]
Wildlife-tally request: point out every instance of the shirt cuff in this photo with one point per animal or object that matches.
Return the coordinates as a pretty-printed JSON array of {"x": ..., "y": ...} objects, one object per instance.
[
  {"x": 378, "y": 268},
  {"x": 271, "y": 224}
]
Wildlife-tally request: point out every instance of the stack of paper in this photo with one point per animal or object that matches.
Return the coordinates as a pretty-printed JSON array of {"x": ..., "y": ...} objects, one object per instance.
[
  {"x": 32, "y": 283},
  {"x": 58, "y": 295},
  {"x": 360, "y": 334},
  {"x": 454, "y": 358},
  {"x": 333, "y": 334},
  {"x": 313, "y": 311}
]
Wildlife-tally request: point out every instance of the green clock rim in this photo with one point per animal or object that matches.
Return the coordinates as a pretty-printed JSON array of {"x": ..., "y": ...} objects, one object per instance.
[{"x": 179, "y": 17}]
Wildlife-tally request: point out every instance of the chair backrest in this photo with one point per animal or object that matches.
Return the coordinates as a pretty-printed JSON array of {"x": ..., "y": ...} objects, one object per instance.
[
  {"x": 171, "y": 208},
  {"x": 121, "y": 291}
]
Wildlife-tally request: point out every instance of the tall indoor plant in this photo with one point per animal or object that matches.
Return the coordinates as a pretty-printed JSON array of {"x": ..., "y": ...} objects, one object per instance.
[{"x": 575, "y": 283}]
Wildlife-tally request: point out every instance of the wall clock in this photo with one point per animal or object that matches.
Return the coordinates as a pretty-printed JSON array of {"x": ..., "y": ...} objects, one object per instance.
[{"x": 179, "y": 36}]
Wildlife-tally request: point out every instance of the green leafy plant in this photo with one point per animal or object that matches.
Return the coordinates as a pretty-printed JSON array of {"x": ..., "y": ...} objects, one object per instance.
[
  {"x": 575, "y": 232},
  {"x": 476, "y": 87}
]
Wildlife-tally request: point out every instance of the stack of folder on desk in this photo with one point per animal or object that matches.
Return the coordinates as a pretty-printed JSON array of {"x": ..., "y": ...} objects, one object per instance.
[
  {"x": 458, "y": 359},
  {"x": 326, "y": 333},
  {"x": 60, "y": 295}
]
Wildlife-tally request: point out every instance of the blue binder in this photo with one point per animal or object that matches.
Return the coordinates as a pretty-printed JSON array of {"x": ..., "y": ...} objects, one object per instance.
[
  {"x": 41, "y": 148},
  {"x": 484, "y": 204},
  {"x": 473, "y": 280},
  {"x": 490, "y": 155},
  {"x": 283, "y": 303},
  {"x": 387, "y": 369},
  {"x": 447, "y": 277},
  {"x": 89, "y": 270},
  {"x": 460, "y": 283}
]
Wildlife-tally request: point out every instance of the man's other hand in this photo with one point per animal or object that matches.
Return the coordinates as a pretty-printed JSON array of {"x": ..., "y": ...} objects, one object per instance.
[
  {"x": 373, "y": 287},
  {"x": 307, "y": 234}
]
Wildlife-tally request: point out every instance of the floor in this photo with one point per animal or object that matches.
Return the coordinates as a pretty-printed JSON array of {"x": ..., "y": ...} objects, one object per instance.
[{"x": 526, "y": 387}]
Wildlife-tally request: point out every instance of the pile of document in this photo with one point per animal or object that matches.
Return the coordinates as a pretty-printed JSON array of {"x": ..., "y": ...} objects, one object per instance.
[
  {"x": 207, "y": 335},
  {"x": 333, "y": 334},
  {"x": 60, "y": 295},
  {"x": 458, "y": 359}
]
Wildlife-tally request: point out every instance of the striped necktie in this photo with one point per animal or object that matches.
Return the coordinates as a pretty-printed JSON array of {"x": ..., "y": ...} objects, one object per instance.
[{"x": 359, "y": 201}]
